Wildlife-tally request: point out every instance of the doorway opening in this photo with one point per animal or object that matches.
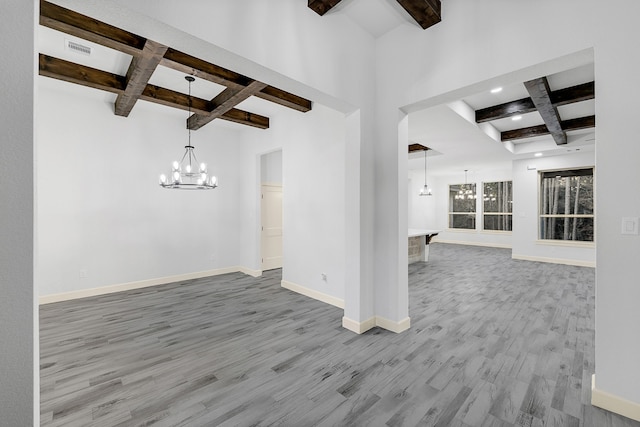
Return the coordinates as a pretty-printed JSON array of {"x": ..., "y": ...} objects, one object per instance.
[{"x": 271, "y": 210}]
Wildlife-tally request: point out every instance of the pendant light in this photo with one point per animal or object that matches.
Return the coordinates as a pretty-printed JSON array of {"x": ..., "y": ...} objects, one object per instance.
[
  {"x": 188, "y": 174},
  {"x": 425, "y": 190}
]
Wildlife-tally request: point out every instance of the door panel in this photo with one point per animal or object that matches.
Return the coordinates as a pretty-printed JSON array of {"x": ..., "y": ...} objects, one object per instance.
[{"x": 271, "y": 239}]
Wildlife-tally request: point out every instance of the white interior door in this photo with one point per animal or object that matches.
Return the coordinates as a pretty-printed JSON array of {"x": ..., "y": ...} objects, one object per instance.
[{"x": 271, "y": 214}]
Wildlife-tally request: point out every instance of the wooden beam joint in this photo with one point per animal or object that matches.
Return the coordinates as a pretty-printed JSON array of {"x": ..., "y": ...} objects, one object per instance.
[
  {"x": 322, "y": 6},
  {"x": 140, "y": 70},
  {"x": 425, "y": 12}
]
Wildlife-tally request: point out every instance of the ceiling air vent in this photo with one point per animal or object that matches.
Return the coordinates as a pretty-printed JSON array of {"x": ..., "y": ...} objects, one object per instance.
[{"x": 77, "y": 47}]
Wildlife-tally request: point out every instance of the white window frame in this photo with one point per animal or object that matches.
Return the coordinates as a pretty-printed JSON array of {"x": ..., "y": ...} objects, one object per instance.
[
  {"x": 474, "y": 186},
  {"x": 564, "y": 216},
  {"x": 496, "y": 213}
]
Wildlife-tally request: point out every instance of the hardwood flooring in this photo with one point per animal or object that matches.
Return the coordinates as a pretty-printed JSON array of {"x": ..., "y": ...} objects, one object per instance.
[{"x": 493, "y": 342}]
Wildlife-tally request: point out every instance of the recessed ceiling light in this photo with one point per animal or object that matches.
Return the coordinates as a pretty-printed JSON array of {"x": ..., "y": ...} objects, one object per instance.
[
  {"x": 538, "y": 154},
  {"x": 516, "y": 118},
  {"x": 496, "y": 90}
]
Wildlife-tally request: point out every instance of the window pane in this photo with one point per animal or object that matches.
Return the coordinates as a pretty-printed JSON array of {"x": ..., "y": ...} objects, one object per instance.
[
  {"x": 462, "y": 198},
  {"x": 566, "y": 195},
  {"x": 498, "y": 196},
  {"x": 462, "y": 221},
  {"x": 580, "y": 229},
  {"x": 498, "y": 222}
]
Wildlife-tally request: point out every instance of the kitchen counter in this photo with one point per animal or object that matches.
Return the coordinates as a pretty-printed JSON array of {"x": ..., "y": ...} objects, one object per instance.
[{"x": 419, "y": 240}]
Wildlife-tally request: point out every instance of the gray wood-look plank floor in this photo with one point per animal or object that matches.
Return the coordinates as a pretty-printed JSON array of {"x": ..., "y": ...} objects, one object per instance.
[{"x": 493, "y": 342}]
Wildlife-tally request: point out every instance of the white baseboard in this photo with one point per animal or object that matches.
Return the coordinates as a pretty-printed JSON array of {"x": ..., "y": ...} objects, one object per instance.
[
  {"x": 250, "y": 272},
  {"x": 358, "y": 327},
  {"x": 311, "y": 293},
  {"x": 362, "y": 327},
  {"x": 613, "y": 403},
  {"x": 575, "y": 262},
  {"x": 103, "y": 290},
  {"x": 437, "y": 239},
  {"x": 392, "y": 326}
]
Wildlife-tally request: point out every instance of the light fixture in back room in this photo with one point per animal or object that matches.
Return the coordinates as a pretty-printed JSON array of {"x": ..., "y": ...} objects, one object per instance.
[
  {"x": 425, "y": 190},
  {"x": 188, "y": 174}
]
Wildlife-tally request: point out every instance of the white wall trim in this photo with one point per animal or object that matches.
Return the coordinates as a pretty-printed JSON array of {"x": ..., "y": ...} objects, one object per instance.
[
  {"x": 311, "y": 293},
  {"x": 437, "y": 239},
  {"x": 110, "y": 289},
  {"x": 381, "y": 322},
  {"x": 393, "y": 326},
  {"x": 250, "y": 272},
  {"x": 576, "y": 262},
  {"x": 566, "y": 243},
  {"x": 613, "y": 403},
  {"x": 358, "y": 327}
]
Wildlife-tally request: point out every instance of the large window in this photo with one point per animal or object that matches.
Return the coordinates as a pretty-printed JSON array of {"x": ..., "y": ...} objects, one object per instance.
[
  {"x": 497, "y": 212},
  {"x": 462, "y": 206},
  {"x": 566, "y": 205}
]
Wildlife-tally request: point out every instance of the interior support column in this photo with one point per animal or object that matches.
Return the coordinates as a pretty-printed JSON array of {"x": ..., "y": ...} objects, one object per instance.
[
  {"x": 359, "y": 193},
  {"x": 391, "y": 222},
  {"x": 19, "y": 381}
]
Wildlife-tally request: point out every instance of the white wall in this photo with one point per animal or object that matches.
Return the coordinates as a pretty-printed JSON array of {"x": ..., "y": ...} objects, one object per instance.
[
  {"x": 441, "y": 197},
  {"x": 432, "y": 212},
  {"x": 280, "y": 42},
  {"x": 422, "y": 209},
  {"x": 525, "y": 206},
  {"x": 313, "y": 173},
  {"x": 617, "y": 154},
  {"x": 102, "y": 217},
  {"x": 19, "y": 360},
  {"x": 271, "y": 167}
]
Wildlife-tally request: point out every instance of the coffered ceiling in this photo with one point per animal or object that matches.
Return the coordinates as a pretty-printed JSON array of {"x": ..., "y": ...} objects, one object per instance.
[
  {"x": 505, "y": 124},
  {"x": 143, "y": 58},
  {"x": 130, "y": 69}
]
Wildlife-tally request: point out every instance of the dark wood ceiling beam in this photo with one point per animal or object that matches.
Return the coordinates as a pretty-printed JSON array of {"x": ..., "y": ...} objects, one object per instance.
[
  {"x": 569, "y": 95},
  {"x": 246, "y": 118},
  {"x": 578, "y": 93},
  {"x": 140, "y": 70},
  {"x": 541, "y": 96},
  {"x": 322, "y": 6},
  {"x": 188, "y": 64},
  {"x": 84, "y": 27},
  {"x": 170, "y": 98},
  {"x": 191, "y": 65},
  {"x": 224, "y": 102},
  {"x": 417, "y": 147},
  {"x": 285, "y": 99},
  {"x": 80, "y": 74},
  {"x": 541, "y": 130},
  {"x": 425, "y": 12},
  {"x": 86, "y": 76},
  {"x": 508, "y": 109}
]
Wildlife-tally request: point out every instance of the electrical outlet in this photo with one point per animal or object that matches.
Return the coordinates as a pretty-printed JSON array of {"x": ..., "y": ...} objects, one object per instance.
[
  {"x": 630, "y": 225},
  {"x": 83, "y": 273}
]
